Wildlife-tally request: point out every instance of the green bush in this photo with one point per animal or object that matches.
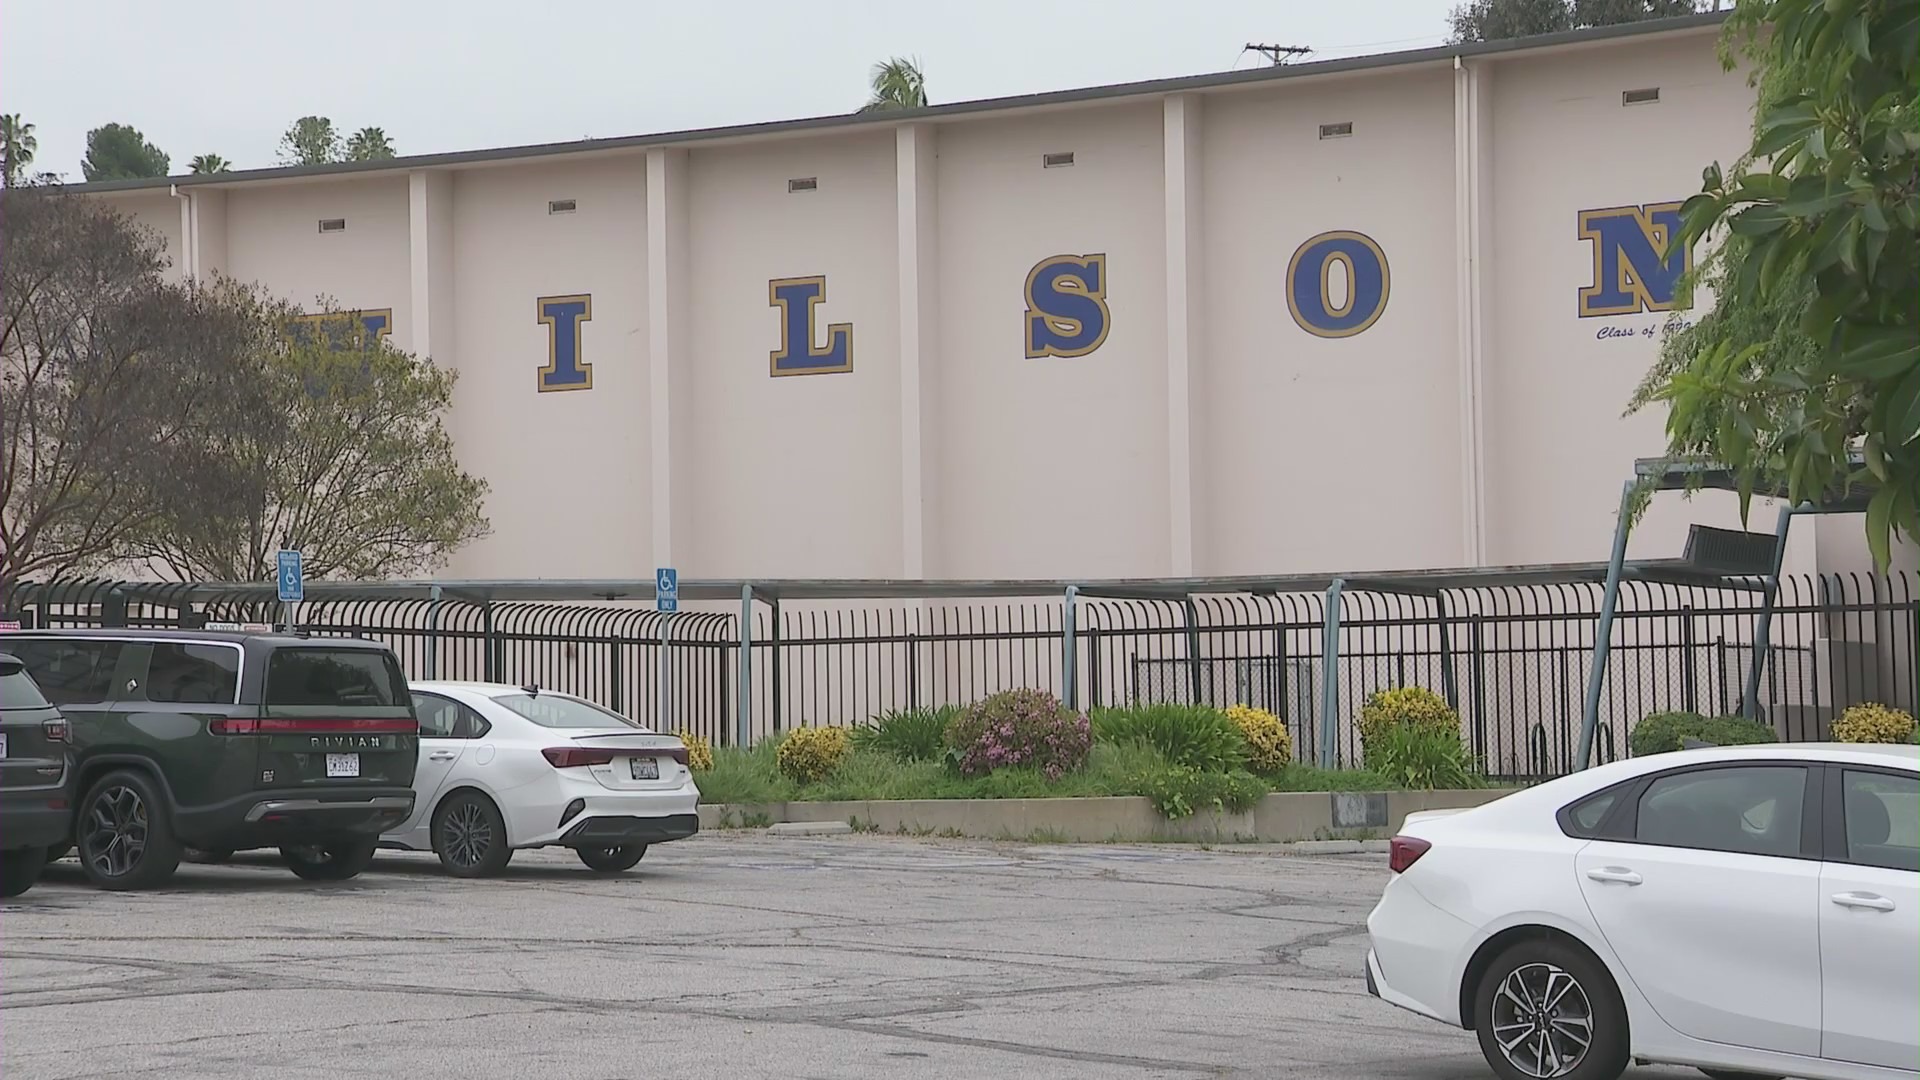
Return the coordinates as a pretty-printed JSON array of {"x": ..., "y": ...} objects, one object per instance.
[
  {"x": 1179, "y": 790},
  {"x": 1665, "y": 732},
  {"x": 1405, "y": 707},
  {"x": 907, "y": 734},
  {"x": 1018, "y": 728},
  {"x": 808, "y": 755},
  {"x": 1422, "y": 759},
  {"x": 1197, "y": 736},
  {"x": 1269, "y": 747}
]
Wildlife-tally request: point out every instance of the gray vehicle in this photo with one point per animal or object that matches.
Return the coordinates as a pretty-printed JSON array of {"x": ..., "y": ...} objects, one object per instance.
[{"x": 37, "y": 778}]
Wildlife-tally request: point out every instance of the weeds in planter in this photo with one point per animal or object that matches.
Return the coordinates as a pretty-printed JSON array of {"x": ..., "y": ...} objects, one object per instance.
[
  {"x": 1181, "y": 791},
  {"x": 908, "y": 735},
  {"x": 1196, "y": 736}
]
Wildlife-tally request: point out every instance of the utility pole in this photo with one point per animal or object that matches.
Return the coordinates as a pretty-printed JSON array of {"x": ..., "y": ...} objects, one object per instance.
[{"x": 1279, "y": 54}]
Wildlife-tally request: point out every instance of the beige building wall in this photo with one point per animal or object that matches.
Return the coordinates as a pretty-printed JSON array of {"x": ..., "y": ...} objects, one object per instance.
[{"x": 1325, "y": 318}]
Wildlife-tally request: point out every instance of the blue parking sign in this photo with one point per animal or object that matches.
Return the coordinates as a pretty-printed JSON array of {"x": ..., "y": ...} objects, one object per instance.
[
  {"x": 666, "y": 589},
  {"x": 293, "y": 585}
]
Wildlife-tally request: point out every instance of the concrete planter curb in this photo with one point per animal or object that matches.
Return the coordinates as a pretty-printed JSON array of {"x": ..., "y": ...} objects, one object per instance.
[{"x": 1340, "y": 818}]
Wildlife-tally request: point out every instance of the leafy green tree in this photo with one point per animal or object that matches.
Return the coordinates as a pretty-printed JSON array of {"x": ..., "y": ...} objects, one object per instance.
[
  {"x": 897, "y": 84},
  {"x": 119, "y": 152},
  {"x": 310, "y": 140},
  {"x": 1498, "y": 20},
  {"x": 205, "y": 164},
  {"x": 1817, "y": 355},
  {"x": 17, "y": 144},
  {"x": 329, "y": 441},
  {"x": 369, "y": 144}
]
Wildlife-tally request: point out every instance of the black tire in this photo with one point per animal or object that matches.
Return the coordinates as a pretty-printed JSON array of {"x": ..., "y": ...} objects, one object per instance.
[
  {"x": 612, "y": 860},
  {"x": 124, "y": 833},
  {"x": 330, "y": 860},
  {"x": 20, "y": 868},
  {"x": 470, "y": 836},
  {"x": 58, "y": 852},
  {"x": 209, "y": 856},
  {"x": 1730, "y": 1074},
  {"x": 1581, "y": 993}
]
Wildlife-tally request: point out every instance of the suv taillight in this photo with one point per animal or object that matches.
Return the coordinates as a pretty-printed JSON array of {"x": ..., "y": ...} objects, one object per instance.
[
  {"x": 1404, "y": 851},
  {"x": 57, "y": 731}
]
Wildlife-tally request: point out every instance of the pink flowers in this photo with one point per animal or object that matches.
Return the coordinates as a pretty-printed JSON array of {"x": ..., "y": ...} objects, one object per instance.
[{"x": 1020, "y": 728}]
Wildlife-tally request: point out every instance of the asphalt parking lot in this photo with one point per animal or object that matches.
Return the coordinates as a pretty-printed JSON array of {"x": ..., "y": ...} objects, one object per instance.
[{"x": 732, "y": 955}]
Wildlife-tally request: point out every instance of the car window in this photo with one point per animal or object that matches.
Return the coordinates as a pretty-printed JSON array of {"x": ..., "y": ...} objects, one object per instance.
[
  {"x": 1584, "y": 817},
  {"x": 1883, "y": 819},
  {"x": 1753, "y": 810},
  {"x": 185, "y": 672},
  {"x": 17, "y": 690},
  {"x": 554, "y": 711},
  {"x": 439, "y": 717},
  {"x": 70, "y": 671},
  {"x": 472, "y": 725},
  {"x": 337, "y": 677}
]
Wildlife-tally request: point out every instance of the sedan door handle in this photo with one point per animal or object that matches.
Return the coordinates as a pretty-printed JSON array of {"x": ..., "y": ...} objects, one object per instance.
[
  {"x": 1619, "y": 874},
  {"x": 441, "y": 755},
  {"x": 1870, "y": 901}
]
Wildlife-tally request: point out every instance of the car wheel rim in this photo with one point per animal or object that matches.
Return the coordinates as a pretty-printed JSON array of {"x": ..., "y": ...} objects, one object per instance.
[
  {"x": 467, "y": 835},
  {"x": 1542, "y": 1020},
  {"x": 116, "y": 832}
]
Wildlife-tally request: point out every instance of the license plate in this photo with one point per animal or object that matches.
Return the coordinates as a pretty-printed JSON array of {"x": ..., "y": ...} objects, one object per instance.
[
  {"x": 343, "y": 765},
  {"x": 3, "y": 744},
  {"x": 645, "y": 768}
]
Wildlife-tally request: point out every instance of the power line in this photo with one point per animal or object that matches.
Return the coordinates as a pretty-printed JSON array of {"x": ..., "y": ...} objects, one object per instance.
[{"x": 1278, "y": 54}]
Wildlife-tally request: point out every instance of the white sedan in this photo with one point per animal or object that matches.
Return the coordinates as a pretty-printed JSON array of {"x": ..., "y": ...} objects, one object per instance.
[
  {"x": 510, "y": 767},
  {"x": 1744, "y": 910}
]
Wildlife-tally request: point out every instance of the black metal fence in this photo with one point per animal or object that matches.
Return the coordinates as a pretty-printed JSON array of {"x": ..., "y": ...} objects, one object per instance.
[{"x": 1516, "y": 660}]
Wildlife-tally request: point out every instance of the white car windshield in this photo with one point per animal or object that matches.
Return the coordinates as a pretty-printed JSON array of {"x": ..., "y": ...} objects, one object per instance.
[{"x": 554, "y": 711}]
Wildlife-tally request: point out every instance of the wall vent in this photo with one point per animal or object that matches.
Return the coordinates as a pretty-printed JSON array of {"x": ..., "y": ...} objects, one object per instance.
[
  {"x": 333, "y": 224},
  {"x": 1646, "y": 95},
  {"x": 1341, "y": 130},
  {"x": 803, "y": 183},
  {"x": 1056, "y": 161},
  {"x": 562, "y": 206}
]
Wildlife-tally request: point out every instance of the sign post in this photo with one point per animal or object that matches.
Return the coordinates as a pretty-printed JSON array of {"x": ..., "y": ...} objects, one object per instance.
[
  {"x": 293, "y": 584},
  {"x": 666, "y": 600}
]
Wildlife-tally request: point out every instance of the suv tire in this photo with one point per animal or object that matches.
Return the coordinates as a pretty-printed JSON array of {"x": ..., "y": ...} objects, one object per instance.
[
  {"x": 470, "y": 836},
  {"x": 331, "y": 860},
  {"x": 124, "y": 833},
  {"x": 611, "y": 860},
  {"x": 19, "y": 869}
]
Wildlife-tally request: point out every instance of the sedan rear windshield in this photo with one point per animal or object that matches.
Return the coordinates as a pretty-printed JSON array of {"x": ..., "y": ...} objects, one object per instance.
[
  {"x": 550, "y": 710},
  {"x": 340, "y": 678}
]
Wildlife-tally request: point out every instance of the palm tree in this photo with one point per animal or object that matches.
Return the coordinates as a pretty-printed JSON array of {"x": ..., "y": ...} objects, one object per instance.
[
  {"x": 369, "y": 144},
  {"x": 18, "y": 145},
  {"x": 897, "y": 84},
  {"x": 210, "y": 163}
]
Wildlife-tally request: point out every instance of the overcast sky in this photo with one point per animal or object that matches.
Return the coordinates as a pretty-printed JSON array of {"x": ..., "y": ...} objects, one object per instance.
[{"x": 227, "y": 76}]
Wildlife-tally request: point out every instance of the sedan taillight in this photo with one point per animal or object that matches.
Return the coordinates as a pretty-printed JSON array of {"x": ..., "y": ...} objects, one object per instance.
[
  {"x": 1404, "y": 851},
  {"x": 569, "y": 757}
]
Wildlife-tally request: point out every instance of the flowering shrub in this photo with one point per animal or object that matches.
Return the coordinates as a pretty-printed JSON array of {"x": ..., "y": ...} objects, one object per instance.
[
  {"x": 1015, "y": 728},
  {"x": 810, "y": 754},
  {"x": 699, "y": 751},
  {"x": 1409, "y": 707},
  {"x": 1269, "y": 747},
  {"x": 1873, "y": 723}
]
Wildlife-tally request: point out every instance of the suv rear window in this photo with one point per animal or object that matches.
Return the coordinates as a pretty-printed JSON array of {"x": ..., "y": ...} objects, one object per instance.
[
  {"x": 70, "y": 671},
  {"x": 17, "y": 690},
  {"x": 335, "y": 677},
  {"x": 554, "y": 711}
]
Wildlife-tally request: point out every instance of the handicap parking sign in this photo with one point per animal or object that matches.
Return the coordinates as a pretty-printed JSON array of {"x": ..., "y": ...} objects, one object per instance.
[
  {"x": 293, "y": 586},
  {"x": 666, "y": 589}
]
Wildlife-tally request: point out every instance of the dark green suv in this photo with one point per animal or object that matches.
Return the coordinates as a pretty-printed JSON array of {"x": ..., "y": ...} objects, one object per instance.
[{"x": 225, "y": 740}]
